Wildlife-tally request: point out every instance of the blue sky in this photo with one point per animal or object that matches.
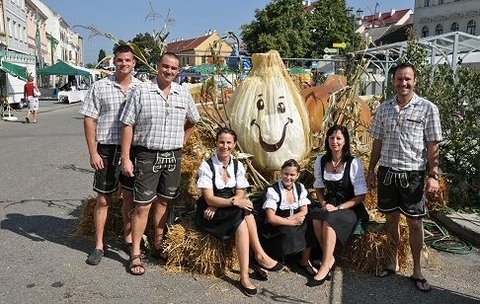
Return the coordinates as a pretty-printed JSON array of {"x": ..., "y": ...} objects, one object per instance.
[{"x": 125, "y": 18}]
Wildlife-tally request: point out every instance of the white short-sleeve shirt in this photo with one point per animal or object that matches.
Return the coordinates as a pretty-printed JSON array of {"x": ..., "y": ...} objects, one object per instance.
[
  {"x": 205, "y": 175},
  {"x": 357, "y": 176},
  {"x": 272, "y": 198}
]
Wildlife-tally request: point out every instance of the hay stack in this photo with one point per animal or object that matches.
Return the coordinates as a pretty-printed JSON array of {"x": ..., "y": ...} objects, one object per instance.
[
  {"x": 194, "y": 251},
  {"x": 114, "y": 225},
  {"x": 370, "y": 252}
]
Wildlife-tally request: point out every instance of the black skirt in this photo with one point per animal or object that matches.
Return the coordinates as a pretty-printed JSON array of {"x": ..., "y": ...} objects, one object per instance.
[
  {"x": 342, "y": 221},
  {"x": 223, "y": 224},
  {"x": 280, "y": 241}
]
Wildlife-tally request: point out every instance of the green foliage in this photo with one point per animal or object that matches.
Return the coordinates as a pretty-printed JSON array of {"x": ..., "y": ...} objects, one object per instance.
[
  {"x": 149, "y": 48},
  {"x": 101, "y": 55},
  {"x": 285, "y": 25},
  {"x": 282, "y": 25},
  {"x": 329, "y": 24},
  {"x": 457, "y": 95}
]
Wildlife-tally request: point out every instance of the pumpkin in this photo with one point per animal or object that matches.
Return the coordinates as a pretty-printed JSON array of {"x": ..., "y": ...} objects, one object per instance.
[
  {"x": 269, "y": 114},
  {"x": 316, "y": 100}
]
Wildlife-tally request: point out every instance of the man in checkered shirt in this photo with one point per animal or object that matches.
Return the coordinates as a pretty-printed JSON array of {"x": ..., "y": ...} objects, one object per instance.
[
  {"x": 101, "y": 108},
  {"x": 158, "y": 120},
  {"x": 406, "y": 135}
]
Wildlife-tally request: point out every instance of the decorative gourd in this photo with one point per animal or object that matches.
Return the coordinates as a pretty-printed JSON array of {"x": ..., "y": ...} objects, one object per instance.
[
  {"x": 269, "y": 115},
  {"x": 316, "y": 100}
]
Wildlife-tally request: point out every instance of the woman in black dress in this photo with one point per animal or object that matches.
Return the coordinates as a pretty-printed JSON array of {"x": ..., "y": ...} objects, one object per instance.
[
  {"x": 286, "y": 207},
  {"x": 224, "y": 211},
  {"x": 340, "y": 187}
]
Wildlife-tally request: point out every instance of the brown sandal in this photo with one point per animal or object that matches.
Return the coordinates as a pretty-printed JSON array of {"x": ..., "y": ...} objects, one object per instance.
[{"x": 133, "y": 265}]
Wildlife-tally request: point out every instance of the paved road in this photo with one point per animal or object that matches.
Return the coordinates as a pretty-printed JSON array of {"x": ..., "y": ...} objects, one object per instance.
[{"x": 45, "y": 175}]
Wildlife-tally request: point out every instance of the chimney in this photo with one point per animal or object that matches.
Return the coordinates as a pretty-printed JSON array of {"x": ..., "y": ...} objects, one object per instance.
[{"x": 392, "y": 12}]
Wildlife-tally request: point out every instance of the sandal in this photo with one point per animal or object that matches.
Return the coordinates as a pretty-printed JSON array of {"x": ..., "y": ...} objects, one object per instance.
[
  {"x": 132, "y": 266},
  {"x": 421, "y": 284}
]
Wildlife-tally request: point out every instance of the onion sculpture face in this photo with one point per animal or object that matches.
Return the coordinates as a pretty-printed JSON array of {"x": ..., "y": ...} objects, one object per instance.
[{"x": 269, "y": 115}]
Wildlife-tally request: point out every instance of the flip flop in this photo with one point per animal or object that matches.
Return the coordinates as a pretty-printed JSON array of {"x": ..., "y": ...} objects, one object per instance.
[
  {"x": 386, "y": 272},
  {"x": 421, "y": 284}
]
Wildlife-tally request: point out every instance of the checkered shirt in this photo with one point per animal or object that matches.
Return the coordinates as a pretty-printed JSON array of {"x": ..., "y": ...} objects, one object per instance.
[
  {"x": 104, "y": 103},
  {"x": 159, "y": 120},
  {"x": 405, "y": 132}
]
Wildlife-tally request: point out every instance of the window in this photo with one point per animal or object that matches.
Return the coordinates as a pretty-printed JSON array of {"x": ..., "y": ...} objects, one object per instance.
[
  {"x": 471, "y": 27},
  {"x": 454, "y": 27},
  {"x": 10, "y": 27},
  {"x": 427, "y": 3},
  {"x": 439, "y": 29},
  {"x": 425, "y": 31}
]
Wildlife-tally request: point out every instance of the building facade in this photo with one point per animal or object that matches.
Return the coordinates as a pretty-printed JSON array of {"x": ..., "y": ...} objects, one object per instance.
[
  {"x": 436, "y": 17},
  {"x": 197, "y": 51}
]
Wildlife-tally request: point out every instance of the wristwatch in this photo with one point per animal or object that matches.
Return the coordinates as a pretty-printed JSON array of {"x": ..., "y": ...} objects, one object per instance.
[{"x": 435, "y": 176}]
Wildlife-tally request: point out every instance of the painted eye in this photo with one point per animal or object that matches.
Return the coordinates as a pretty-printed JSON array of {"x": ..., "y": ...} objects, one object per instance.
[
  {"x": 260, "y": 104},
  {"x": 281, "y": 107}
]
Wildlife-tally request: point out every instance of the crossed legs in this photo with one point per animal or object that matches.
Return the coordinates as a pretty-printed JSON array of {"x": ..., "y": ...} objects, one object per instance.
[
  {"x": 246, "y": 236},
  {"x": 327, "y": 239}
]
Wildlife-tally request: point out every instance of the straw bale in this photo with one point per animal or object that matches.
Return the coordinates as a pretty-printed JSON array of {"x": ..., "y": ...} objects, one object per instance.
[
  {"x": 370, "y": 252},
  {"x": 114, "y": 224},
  {"x": 194, "y": 251}
]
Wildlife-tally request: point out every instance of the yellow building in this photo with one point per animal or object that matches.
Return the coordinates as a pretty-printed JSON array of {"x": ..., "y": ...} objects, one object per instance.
[{"x": 196, "y": 51}]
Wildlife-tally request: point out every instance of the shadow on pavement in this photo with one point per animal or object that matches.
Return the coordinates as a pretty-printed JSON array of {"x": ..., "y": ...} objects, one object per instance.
[{"x": 47, "y": 228}]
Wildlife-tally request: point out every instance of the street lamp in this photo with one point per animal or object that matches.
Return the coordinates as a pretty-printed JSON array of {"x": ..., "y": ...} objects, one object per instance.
[{"x": 355, "y": 18}]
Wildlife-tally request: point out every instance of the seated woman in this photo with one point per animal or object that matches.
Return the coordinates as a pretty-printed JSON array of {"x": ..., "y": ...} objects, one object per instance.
[
  {"x": 223, "y": 210},
  {"x": 340, "y": 187},
  {"x": 286, "y": 206}
]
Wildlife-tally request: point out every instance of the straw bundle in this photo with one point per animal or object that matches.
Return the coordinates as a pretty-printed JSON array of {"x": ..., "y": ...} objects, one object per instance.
[
  {"x": 370, "y": 252},
  {"x": 194, "y": 251},
  {"x": 114, "y": 224}
]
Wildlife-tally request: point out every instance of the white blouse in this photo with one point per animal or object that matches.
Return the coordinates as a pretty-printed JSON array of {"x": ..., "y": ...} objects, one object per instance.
[
  {"x": 357, "y": 176},
  {"x": 205, "y": 175},
  {"x": 272, "y": 198}
]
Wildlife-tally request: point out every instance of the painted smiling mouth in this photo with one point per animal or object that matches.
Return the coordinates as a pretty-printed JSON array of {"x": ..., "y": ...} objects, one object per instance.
[{"x": 271, "y": 147}]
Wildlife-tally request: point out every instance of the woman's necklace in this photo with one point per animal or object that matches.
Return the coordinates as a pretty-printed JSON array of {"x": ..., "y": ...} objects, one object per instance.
[{"x": 335, "y": 166}]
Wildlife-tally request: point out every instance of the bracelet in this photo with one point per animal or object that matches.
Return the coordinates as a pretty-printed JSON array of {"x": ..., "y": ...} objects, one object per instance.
[{"x": 339, "y": 207}]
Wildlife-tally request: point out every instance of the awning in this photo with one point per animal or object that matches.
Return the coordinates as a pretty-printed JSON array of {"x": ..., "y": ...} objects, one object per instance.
[
  {"x": 14, "y": 69},
  {"x": 63, "y": 68}
]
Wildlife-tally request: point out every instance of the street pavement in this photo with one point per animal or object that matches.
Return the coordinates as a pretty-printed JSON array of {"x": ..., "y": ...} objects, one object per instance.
[{"x": 45, "y": 175}]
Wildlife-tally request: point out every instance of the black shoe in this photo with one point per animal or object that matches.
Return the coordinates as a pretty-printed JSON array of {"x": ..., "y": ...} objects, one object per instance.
[
  {"x": 95, "y": 257},
  {"x": 277, "y": 267},
  {"x": 312, "y": 282},
  {"x": 248, "y": 291}
]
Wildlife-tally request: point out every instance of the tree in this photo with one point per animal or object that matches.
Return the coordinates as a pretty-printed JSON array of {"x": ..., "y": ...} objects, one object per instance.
[
  {"x": 101, "y": 55},
  {"x": 149, "y": 47},
  {"x": 329, "y": 24},
  {"x": 282, "y": 25}
]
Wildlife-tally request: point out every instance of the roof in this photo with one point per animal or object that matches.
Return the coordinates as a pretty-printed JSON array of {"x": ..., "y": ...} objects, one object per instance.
[
  {"x": 14, "y": 69},
  {"x": 385, "y": 19},
  {"x": 187, "y": 45},
  {"x": 63, "y": 68}
]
